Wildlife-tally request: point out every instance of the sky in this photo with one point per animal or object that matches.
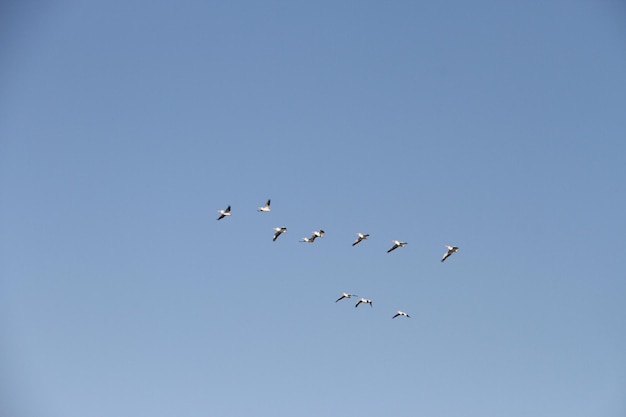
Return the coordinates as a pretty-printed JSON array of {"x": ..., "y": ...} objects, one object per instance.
[{"x": 494, "y": 126}]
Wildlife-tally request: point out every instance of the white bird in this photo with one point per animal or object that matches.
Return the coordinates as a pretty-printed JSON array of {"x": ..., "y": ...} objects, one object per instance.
[
  {"x": 363, "y": 300},
  {"x": 224, "y": 213},
  {"x": 265, "y": 208},
  {"x": 279, "y": 231},
  {"x": 451, "y": 250},
  {"x": 361, "y": 236},
  {"x": 396, "y": 244},
  {"x": 346, "y": 295},
  {"x": 319, "y": 233},
  {"x": 401, "y": 313},
  {"x": 314, "y": 235}
]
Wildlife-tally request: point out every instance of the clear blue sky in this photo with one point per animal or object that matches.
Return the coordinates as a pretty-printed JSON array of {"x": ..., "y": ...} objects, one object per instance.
[{"x": 499, "y": 127}]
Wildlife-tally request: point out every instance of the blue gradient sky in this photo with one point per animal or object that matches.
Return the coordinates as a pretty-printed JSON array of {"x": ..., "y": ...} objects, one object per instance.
[{"x": 495, "y": 126}]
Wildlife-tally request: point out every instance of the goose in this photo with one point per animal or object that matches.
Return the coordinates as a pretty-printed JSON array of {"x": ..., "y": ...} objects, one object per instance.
[
  {"x": 265, "y": 208},
  {"x": 396, "y": 244},
  {"x": 279, "y": 231},
  {"x": 451, "y": 250},
  {"x": 314, "y": 235},
  {"x": 346, "y": 295},
  {"x": 363, "y": 300},
  {"x": 360, "y": 237},
  {"x": 319, "y": 233},
  {"x": 401, "y": 313},
  {"x": 224, "y": 213}
]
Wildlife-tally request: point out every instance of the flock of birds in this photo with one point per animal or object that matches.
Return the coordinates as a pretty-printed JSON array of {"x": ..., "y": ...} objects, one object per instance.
[{"x": 320, "y": 234}]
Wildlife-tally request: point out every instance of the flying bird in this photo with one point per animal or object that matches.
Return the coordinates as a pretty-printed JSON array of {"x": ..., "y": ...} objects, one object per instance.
[
  {"x": 314, "y": 235},
  {"x": 396, "y": 244},
  {"x": 363, "y": 300},
  {"x": 346, "y": 295},
  {"x": 360, "y": 237},
  {"x": 224, "y": 213},
  {"x": 265, "y": 208},
  {"x": 279, "y": 231},
  {"x": 319, "y": 233},
  {"x": 451, "y": 250},
  {"x": 401, "y": 313}
]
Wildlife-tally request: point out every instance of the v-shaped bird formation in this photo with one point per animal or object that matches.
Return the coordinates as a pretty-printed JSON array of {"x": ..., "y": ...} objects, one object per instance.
[{"x": 278, "y": 231}]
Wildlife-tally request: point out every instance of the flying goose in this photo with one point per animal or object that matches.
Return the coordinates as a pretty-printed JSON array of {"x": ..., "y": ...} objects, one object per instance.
[
  {"x": 265, "y": 208},
  {"x": 346, "y": 295},
  {"x": 279, "y": 231},
  {"x": 451, "y": 250},
  {"x": 361, "y": 236},
  {"x": 224, "y": 213},
  {"x": 319, "y": 233},
  {"x": 401, "y": 313},
  {"x": 363, "y": 300},
  {"x": 396, "y": 244},
  {"x": 314, "y": 235}
]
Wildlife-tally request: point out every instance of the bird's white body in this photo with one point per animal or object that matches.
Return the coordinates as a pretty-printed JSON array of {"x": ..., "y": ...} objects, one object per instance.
[
  {"x": 345, "y": 295},
  {"x": 360, "y": 238},
  {"x": 450, "y": 251},
  {"x": 401, "y": 313},
  {"x": 396, "y": 244},
  {"x": 224, "y": 213},
  {"x": 314, "y": 235},
  {"x": 363, "y": 300},
  {"x": 266, "y": 207},
  {"x": 279, "y": 231}
]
